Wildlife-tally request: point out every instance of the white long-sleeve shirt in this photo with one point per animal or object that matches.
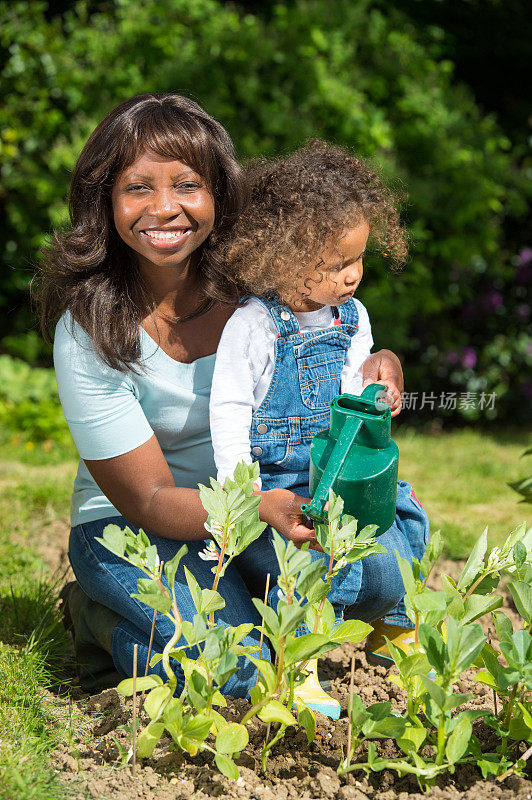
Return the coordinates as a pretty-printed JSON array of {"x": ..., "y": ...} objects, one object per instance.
[{"x": 244, "y": 368}]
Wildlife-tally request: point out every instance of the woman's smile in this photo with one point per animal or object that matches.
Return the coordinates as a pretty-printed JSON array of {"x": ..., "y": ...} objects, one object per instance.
[{"x": 166, "y": 238}]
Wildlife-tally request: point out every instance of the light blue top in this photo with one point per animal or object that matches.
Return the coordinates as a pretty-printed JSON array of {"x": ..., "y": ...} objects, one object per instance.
[{"x": 110, "y": 413}]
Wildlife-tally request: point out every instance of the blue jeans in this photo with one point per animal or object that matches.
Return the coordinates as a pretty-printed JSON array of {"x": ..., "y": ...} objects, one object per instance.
[
  {"x": 367, "y": 590},
  {"x": 110, "y": 580}
]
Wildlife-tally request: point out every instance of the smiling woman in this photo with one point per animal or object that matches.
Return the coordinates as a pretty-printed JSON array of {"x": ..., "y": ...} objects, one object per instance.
[{"x": 139, "y": 293}]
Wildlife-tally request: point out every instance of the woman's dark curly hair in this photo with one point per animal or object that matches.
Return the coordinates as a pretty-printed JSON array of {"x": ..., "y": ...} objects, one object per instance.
[
  {"x": 299, "y": 204},
  {"x": 88, "y": 269}
]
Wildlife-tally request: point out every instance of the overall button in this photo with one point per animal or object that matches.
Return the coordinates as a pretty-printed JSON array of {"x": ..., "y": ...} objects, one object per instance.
[
  {"x": 257, "y": 451},
  {"x": 285, "y": 315},
  {"x": 262, "y": 428}
]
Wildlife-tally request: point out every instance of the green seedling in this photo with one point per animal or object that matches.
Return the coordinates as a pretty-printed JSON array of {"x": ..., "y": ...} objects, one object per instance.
[{"x": 303, "y": 585}]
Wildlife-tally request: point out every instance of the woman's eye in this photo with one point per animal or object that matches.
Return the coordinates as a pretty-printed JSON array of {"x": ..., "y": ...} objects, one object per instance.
[
  {"x": 136, "y": 187},
  {"x": 188, "y": 186}
]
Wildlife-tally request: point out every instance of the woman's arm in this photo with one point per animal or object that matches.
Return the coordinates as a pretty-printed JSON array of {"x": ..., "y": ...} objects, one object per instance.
[
  {"x": 140, "y": 485},
  {"x": 385, "y": 367}
]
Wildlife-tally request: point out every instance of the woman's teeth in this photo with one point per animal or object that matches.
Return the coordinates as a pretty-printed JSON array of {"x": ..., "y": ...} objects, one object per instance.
[{"x": 165, "y": 235}]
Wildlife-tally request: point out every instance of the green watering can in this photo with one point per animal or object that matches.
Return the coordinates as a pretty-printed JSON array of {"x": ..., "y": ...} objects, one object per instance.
[{"x": 357, "y": 459}]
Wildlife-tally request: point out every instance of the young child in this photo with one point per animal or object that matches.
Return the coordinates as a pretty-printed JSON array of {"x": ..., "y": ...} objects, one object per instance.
[{"x": 300, "y": 338}]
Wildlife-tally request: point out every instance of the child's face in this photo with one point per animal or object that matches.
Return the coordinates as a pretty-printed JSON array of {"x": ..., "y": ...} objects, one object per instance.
[
  {"x": 163, "y": 210},
  {"x": 335, "y": 280}
]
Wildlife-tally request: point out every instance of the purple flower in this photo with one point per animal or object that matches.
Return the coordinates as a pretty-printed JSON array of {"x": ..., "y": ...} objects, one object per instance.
[
  {"x": 523, "y": 311},
  {"x": 495, "y": 299},
  {"x": 469, "y": 357},
  {"x": 453, "y": 357},
  {"x": 525, "y": 256}
]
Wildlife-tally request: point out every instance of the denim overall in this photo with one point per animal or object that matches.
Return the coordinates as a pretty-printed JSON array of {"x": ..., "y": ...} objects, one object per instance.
[{"x": 306, "y": 377}]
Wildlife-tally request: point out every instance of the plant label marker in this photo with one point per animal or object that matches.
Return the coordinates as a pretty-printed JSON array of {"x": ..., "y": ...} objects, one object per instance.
[
  {"x": 152, "y": 631},
  {"x": 266, "y": 591},
  {"x": 134, "y": 758},
  {"x": 350, "y": 706}
]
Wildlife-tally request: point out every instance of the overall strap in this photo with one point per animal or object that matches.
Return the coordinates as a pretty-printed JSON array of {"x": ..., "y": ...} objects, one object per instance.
[
  {"x": 285, "y": 321},
  {"x": 346, "y": 314}
]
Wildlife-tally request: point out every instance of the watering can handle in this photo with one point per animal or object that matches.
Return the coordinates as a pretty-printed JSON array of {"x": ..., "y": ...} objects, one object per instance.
[
  {"x": 336, "y": 461},
  {"x": 372, "y": 391}
]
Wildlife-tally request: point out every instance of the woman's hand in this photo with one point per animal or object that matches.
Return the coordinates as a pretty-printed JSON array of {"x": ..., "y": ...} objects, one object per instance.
[
  {"x": 385, "y": 367},
  {"x": 281, "y": 509}
]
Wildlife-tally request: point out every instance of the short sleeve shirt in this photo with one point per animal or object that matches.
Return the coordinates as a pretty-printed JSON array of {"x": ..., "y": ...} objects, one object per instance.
[{"x": 110, "y": 412}]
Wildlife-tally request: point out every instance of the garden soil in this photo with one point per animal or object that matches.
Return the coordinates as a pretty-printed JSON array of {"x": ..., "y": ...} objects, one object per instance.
[{"x": 93, "y": 768}]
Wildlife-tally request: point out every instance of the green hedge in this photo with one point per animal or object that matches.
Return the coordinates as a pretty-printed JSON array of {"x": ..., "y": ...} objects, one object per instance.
[{"x": 344, "y": 71}]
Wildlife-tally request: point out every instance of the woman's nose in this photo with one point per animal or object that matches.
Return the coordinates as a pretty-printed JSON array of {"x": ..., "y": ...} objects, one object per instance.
[{"x": 164, "y": 203}]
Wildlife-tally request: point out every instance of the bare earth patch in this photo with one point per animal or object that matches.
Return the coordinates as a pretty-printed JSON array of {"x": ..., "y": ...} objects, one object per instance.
[{"x": 295, "y": 768}]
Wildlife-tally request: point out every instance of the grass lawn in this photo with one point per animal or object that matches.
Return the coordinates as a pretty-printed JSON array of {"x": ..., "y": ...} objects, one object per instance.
[{"x": 461, "y": 478}]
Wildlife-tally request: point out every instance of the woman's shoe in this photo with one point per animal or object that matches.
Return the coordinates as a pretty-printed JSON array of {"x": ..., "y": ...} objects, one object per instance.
[
  {"x": 312, "y": 695},
  {"x": 377, "y": 652},
  {"x": 91, "y": 626}
]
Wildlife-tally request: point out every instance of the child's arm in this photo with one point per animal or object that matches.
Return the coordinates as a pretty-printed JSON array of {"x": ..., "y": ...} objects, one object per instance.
[
  {"x": 239, "y": 359},
  {"x": 360, "y": 349},
  {"x": 352, "y": 375}
]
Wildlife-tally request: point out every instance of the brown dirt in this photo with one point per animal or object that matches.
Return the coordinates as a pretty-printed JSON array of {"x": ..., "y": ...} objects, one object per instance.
[
  {"x": 92, "y": 767},
  {"x": 295, "y": 769}
]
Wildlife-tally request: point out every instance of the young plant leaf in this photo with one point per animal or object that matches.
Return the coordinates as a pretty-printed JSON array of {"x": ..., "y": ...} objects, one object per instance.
[
  {"x": 476, "y": 605},
  {"x": 211, "y": 601},
  {"x": 289, "y": 617},
  {"x": 434, "y": 646},
  {"x": 274, "y": 711},
  {"x": 307, "y": 719},
  {"x": 503, "y": 626},
  {"x": 303, "y": 647},
  {"x": 148, "y": 739},
  {"x": 143, "y": 684},
  {"x": 170, "y": 567},
  {"x": 152, "y": 595},
  {"x": 232, "y": 739},
  {"x": 114, "y": 539},
  {"x": 435, "y": 691},
  {"x": 267, "y": 670},
  {"x": 194, "y": 589},
  {"x": 522, "y": 595},
  {"x": 458, "y": 741},
  {"x": 475, "y": 562},
  {"x": 226, "y": 766},
  {"x": 350, "y": 631},
  {"x": 407, "y": 575},
  {"x": 157, "y": 700},
  {"x": 412, "y": 738},
  {"x": 432, "y": 553},
  {"x": 269, "y": 615}
]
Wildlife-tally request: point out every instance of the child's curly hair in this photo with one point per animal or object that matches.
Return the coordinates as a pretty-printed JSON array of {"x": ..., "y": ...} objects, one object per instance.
[{"x": 298, "y": 204}]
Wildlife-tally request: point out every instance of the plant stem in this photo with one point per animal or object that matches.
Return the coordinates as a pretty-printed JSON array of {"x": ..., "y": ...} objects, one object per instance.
[
  {"x": 266, "y": 591},
  {"x": 441, "y": 739},
  {"x": 257, "y": 707},
  {"x": 350, "y": 710},
  {"x": 507, "y": 718},
  {"x": 328, "y": 581},
  {"x": 218, "y": 571},
  {"x": 476, "y": 583}
]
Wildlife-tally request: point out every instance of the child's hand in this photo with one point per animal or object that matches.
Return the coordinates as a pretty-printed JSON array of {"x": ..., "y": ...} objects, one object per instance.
[{"x": 385, "y": 367}]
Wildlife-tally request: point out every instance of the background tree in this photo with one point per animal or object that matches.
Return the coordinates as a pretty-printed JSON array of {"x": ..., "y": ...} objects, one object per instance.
[{"x": 352, "y": 72}]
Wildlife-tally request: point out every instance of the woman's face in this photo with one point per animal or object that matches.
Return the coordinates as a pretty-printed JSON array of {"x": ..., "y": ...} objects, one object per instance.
[{"x": 163, "y": 210}]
